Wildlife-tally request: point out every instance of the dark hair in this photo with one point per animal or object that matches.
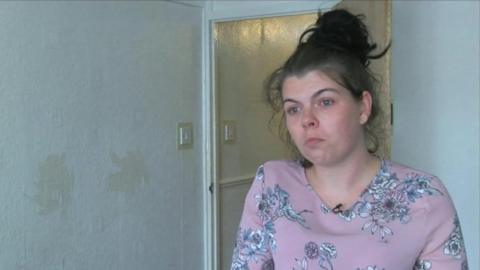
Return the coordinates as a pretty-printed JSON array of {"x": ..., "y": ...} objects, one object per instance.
[{"x": 338, "y": 45}]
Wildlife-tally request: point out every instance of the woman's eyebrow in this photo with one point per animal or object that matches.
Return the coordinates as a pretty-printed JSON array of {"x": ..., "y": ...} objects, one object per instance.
[
  {"x": 316, "y": 94},
  {"x": 289, "y": 100},
  {"x": 321, "y": 91}
]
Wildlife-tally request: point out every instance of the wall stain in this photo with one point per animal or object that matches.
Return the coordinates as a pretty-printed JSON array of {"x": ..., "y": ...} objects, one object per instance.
[
  {"x": 54, "y": 185},
  {"x": 131, "y": 175}
]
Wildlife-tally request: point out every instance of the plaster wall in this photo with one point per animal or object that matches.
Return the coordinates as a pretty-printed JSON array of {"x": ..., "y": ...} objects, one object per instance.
[
  {"x": 90, "y": 94},
  {"x": 435, "y": 88}
]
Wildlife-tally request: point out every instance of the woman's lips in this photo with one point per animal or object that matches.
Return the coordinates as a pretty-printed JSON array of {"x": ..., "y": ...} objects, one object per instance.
[{"x": 313, "y": 141}]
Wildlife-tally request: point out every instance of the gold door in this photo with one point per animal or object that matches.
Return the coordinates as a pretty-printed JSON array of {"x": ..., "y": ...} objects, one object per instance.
[{"x": 245, "y": 53}]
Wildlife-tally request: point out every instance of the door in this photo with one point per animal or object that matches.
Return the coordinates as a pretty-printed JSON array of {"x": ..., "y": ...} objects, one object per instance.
[{"x": 245, "y": 52}]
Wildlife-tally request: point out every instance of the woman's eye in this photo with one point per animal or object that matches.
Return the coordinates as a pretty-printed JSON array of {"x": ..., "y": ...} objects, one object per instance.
[
  {"x": 292, "y": 110},
  {"x": 326, "y": 102}
]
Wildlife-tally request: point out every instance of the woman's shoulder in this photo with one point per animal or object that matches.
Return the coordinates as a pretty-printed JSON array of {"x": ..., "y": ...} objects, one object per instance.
[
  {"x": 282, "y": 166},
  {"x": 276, "y": 170},
  {"x": 417, "y": 190},
  {"x": 405, "y": 169},
  {"x": 410, "y": 175}
]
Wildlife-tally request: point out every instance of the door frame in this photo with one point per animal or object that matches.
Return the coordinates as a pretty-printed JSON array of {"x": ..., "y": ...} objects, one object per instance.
[{"x": 214, "y": 12}]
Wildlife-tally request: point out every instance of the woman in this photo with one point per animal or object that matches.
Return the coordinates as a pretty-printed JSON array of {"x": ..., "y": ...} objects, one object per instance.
[{"x": 338, "y": 206}]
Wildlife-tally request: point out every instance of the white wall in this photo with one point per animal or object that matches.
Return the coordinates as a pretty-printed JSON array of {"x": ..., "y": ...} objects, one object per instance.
[
  {"x": 241, "y": 9},
  {"x": 90, "y": 93},
  {"x": 435, "y": 72}
]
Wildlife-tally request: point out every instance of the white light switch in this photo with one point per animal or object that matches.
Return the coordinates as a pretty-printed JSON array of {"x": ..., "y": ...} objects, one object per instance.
[
  {"x": 184, "y": 135},
  {"x": 229, "y": 131}
]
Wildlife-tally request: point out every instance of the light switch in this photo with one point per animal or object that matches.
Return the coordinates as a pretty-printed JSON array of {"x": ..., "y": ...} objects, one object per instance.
[
  {"x": 229, "y": 131},
  {"x": 184, "y": 135}
]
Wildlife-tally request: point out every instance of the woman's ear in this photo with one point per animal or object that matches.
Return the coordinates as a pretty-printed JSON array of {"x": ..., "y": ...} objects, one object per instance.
[{"x": 366, "y": 107}]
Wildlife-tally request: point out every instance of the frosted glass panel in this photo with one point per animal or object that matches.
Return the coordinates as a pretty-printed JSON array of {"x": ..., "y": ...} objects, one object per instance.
[{"x": 246, "y": 52}]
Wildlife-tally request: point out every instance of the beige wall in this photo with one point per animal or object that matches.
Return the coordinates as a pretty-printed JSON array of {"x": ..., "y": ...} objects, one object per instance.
[{"x": 90, "y": 94}]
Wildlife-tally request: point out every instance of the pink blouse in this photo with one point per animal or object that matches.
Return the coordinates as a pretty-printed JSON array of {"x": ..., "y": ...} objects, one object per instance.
[{"x": 404, "y": 220}]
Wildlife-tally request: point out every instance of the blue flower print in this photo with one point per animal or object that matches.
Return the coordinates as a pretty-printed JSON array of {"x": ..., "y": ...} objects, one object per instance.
[
  {"x": 301, "y": 264},
  {"x": 255, "y": 245},
  {"x": 268, "y": 203},
  {"x": 268, "y": 265},
  {"x": 322, "y": 255},
  {"x": 416, "y": 186},
  {"x": 260, "y": 175},
  {"x": 387, "y": 199},
  {"x": 252, "y": 245},
  {"x": 422, "y": 265},
  {"x": 378, "y": 226},
  {"x": 274, "y": 203},
  {"x": 312, "y": 250},
  {"x": 374, "y": 267},
  {"x": 327, "y": 253},
  {"x": 347, "y": 214},
  {"x": 454, "y": 245}
]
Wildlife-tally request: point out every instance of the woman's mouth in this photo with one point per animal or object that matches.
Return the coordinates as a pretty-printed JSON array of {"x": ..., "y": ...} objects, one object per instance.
[{"x": 312, "y": 141}]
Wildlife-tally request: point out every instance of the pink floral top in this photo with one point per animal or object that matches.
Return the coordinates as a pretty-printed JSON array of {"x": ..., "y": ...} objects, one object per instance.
[{"x": 404, "y": 220}]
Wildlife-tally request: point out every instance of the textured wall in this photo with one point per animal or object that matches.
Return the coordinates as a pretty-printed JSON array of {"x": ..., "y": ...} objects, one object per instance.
[
  {"x": 435, "y": 68},
  {"x": 90, "y": 93}
]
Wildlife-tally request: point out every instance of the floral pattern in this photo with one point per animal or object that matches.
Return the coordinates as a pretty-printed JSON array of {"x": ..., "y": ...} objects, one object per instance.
[
  {"x": 374, "y": 267},
  {"x": 454, "y": 244},
  {"x": 321, "y": 255},
  {"x": 272, "y": 204},
  {"x": 260, "y": 175},
  {"x": 268, "y": 265},
  {"x": 386, "y": 205},
  {"x": 252, "y": 245},
  {"x": 388, "y": 199},
  {"x": 422, "y": 265}
]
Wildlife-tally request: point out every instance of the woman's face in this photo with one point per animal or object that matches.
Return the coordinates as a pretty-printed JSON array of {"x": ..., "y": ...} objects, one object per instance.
[{"x": 323, "y": 119}]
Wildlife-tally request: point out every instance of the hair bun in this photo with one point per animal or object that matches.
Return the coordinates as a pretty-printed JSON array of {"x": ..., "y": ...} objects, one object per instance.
[{"x": 340, "y": 30}]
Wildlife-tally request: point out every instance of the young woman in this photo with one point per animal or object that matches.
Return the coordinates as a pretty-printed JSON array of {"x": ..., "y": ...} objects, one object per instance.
[{"x": 337, "y": 205}]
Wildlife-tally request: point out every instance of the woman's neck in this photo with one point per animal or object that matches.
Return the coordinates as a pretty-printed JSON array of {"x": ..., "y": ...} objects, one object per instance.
[{"x": 344, "y": 182}]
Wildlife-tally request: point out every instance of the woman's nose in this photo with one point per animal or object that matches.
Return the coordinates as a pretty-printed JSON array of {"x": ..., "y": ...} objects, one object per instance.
[{"x": 308, "y": 119}]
